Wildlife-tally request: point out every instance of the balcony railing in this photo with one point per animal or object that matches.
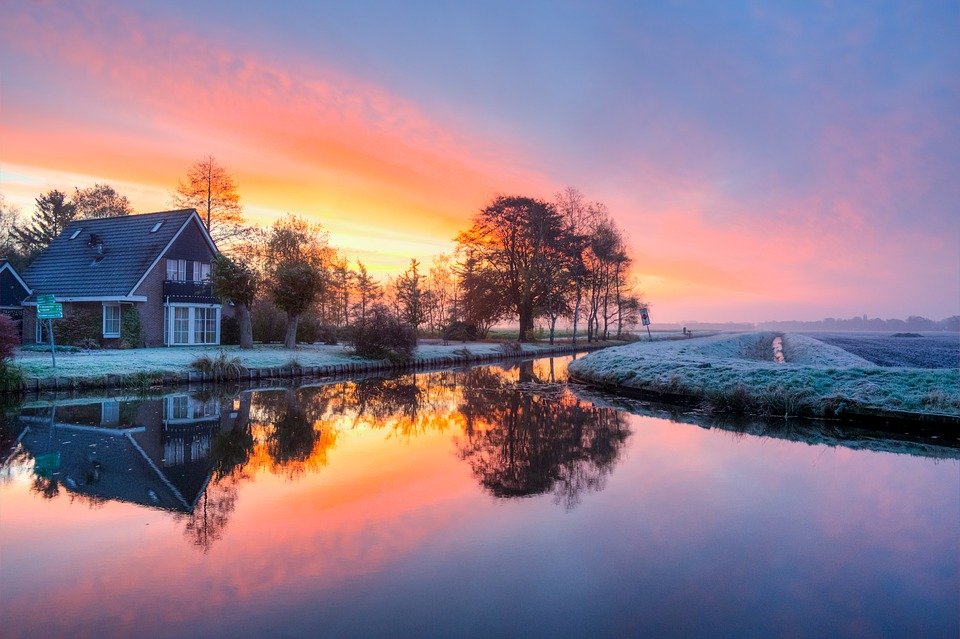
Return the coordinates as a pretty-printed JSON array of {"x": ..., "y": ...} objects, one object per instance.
[{"x": 200, "y": 292}]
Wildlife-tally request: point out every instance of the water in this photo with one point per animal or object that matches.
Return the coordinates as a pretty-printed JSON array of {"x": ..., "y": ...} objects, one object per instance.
[{"x": 489, "y": 502}]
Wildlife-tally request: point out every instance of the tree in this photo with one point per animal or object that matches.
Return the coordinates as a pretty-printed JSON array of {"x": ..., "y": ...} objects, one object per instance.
[
  {"x": 237, "y": 283},
  {"x": 10, "y": 248},
  {"x": 368, "y": 294},
  {"x": 213, "y": 193},
  {"x": 54, "y": 212},
  {"x": 511, "y": 240},
  {"x": 299, "y": 256},
  {"x": 100, "y": 200},
  {"x": 295, "y": 287},
  {"x": 410, "y": 295}
]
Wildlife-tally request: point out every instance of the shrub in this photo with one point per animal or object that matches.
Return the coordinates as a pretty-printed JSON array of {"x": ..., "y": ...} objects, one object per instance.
[
  {"x": 79, "y": 324},
  {"x": 221, "y": 366},
  {"x": 131, "y": 332},
  {"x": 269, "y": 323},
  {"x": 11, "y": 377},
  {"x": 384, "y": 336},
  {"x": 9, "y": 338},
  {"x": 461, "y": 332},
  {"x": 310, "y": 331},
  {"x": 463, "y": 353},
  {"x": 229, "y": 331}
]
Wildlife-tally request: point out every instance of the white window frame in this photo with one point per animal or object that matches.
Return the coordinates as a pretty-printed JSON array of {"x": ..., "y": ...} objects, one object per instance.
[
  {"x": 201, "y": 271},
  {"x": 119, "y": 320},
  {"x": 176, "y": 270},
  {"x": 192, "y": 318}
]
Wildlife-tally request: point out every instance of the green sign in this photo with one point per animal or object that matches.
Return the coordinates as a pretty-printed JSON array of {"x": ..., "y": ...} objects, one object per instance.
[{"x": 48, "y": 308}]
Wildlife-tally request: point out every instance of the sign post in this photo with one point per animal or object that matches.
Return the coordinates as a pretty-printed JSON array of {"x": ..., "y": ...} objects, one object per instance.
[
  {"x": 645, "y": 318},
  {"x": 48, "y": 309}
]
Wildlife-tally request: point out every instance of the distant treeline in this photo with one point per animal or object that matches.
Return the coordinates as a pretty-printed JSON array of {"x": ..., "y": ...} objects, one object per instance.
[{"x": 863, "y": 323}]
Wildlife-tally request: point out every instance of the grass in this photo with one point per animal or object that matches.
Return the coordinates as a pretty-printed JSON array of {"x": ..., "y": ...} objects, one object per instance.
[
  {"x": 157, "y": 361},
  {"x": 728, "y": 373}
]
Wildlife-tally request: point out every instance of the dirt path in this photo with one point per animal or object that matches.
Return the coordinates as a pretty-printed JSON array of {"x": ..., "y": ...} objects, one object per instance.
[{"x": 778, "y": 350}]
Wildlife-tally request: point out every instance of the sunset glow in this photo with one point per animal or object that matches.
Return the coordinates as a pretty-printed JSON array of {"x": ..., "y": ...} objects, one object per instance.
[{"x": 766, "y": 163}]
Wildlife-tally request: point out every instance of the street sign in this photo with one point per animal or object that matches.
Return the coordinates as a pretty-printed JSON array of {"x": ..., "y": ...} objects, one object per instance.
[
  {"x": 645, "y": 316},
  {"x": 48, "y": 308}
]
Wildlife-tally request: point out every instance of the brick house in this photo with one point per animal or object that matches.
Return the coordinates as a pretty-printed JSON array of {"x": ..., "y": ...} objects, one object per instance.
[
  {"x": 13, "y": 291},
  {"x": 157, "y": 264}
]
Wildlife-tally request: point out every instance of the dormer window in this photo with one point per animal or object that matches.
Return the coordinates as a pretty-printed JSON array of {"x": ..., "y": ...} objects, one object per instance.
[
  {"x": 76, "y": 233},
  {"x": 156, "y": 227}
]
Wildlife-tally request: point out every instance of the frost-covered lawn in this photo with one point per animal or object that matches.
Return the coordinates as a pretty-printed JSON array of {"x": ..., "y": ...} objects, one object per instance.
[
  {"x": 735, "y": 372},
  {"x": 178, "y": 359},
  {"x": 921, "y": 350}
]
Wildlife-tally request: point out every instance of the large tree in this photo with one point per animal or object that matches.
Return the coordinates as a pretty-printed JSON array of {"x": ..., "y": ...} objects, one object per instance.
[
  {"x": 511, "y": 240},
  {"x": 100, "y": 200},
  {"x": 237, "y": 283},
  {"x": 298, "y": 257},
  {"x": 410, "y": 295},
  {"x": 368, "y": 294},
  {"x": 54, "y": 212},
  {"x": 213, "y": 192}
]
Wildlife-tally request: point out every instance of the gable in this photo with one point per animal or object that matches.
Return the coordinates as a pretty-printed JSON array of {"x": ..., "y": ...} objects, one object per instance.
[{"x": 12, "y": 289}]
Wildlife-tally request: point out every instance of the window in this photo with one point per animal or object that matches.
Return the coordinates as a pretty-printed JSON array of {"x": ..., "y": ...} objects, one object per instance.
[
  {"x": 111, "y": 320},
  {"x": 181, "y": 325},
  {"x": 156, "y": 227},
  {"x": 110, "y": 414},
  {"x": 192, "y": 325},
  {"x": 76, "y": 233},
  {"x": 177, "y": 270},
  {"x": 42, "y": 335},
  {"x": 205, "y": 326},
  {"x": 201, "y": 272}
]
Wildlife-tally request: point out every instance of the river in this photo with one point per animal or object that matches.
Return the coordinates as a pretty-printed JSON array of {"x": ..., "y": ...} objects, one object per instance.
[{"x": 489, "y": 501}]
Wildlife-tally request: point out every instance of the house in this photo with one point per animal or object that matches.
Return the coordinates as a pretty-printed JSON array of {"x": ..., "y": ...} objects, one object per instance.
[
  {"x": 154, "y": 267},
  {"x": 13, "y": 291}
]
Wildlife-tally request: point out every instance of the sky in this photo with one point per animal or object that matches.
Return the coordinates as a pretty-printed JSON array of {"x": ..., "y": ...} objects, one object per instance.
[{"x": 795, "y": 161}]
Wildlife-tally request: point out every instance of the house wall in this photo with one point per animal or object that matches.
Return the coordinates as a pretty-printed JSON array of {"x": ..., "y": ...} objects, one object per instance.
[{"x": 189, "y": 246}]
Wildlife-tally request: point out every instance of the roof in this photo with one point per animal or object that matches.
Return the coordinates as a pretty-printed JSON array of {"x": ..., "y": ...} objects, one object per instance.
[{"x": 70, "y": 268}]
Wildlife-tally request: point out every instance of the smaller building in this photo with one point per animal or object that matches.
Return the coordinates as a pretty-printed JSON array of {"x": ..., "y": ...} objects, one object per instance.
[
  {"x": 150, "y": 270},
  {"x": 13, "y": 292}
]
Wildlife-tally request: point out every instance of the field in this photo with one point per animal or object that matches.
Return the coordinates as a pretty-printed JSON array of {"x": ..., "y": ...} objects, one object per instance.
[
  {"x": 737, "y": 373},
  {"x": 925, "y": 350}
]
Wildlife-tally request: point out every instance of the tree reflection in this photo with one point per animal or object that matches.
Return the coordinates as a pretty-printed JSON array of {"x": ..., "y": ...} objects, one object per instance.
[
  {"x": 208, "y": 519},
  {"x": 520, "y": 444}
]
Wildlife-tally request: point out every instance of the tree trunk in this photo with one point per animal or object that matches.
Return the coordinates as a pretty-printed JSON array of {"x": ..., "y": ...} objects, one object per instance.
[
  {"x": 576, "y": 314},
  {"x": 291, "y": 339},
  {"x": 246, "y": 326},
  {"x": 553, "y": 328},
  {"x": 526, "y": 322}
]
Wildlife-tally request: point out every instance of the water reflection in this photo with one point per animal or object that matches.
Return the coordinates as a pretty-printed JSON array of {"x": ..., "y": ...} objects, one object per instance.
[
  {"x": 187, "y": 452},
  {"x": 519, "y": 443},
  {"x": 498, "y": 495}
]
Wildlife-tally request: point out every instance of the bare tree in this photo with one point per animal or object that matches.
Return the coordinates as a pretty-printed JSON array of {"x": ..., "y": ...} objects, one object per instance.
[{"x": 212, "y": 191}]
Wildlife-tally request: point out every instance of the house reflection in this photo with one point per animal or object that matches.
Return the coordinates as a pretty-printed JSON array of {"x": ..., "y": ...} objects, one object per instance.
[{"x": 152, "y": 452}]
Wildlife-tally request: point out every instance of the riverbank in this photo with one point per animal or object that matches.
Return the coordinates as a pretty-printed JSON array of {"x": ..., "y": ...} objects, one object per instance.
[
  {"x": 168, "y": 366},
  {"x": 739, "y": 374}
]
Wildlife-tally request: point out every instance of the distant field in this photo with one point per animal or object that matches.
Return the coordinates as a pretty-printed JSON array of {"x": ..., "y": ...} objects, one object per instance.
[{"x": 930, "y": 350}]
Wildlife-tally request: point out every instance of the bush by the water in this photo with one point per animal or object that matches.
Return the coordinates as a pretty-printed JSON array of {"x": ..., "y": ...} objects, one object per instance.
[
  {"x": 11, "y": 377},
  {"x": 384, "y": 336},
  {"x": 221, "y": 366}
]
